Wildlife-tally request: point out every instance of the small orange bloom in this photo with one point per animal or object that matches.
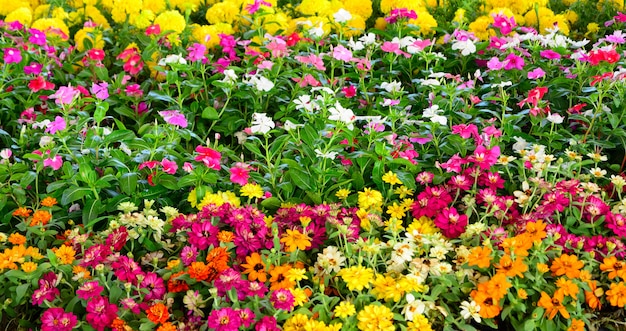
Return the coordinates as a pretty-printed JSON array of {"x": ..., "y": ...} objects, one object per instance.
[
  {"x": 171, "y": 264},
  {"x": 577, "y": 325},
  {"x": 118, "y": 324},
  {"x": 617, "y": 295},
  {"x": 489, "y": 306},
  {"x": 614, "y": 267},
  {"x": 158, "y": 313},
  {"x": 497, "y": 286},
  {"x": 480, "y": 256},
  {"x": 218, "y": 258},
  {"x": 511, "y": 267},
  {"x": 536, "y": 230},
  {"x": 294, "y": 239},
  {"x": 592, "y": 297},
  {"x": 17, "y": 239},
  {"x": 65, "y": 254},
  {"x": 255, "y": 268},
  {"x": 175, "y": 285},
  {"x": 199, "y": 271},
  {"x": 542, "y": 267},
  {"x": 567, "y": 286},
  {"x": 48, "y": 202},
  {"x": 81, "y": 272},
  {"x": 40, "y": 217},
  {"x": 225, "y": 236},
  {"x": 566, "y": 265},
  {"x": 518, "y": 245},
  {"x": 522, "y": 294},
  {"x": 167, "y": 327},
  {"x": 22, "y": 212},
  {"x": 279, "y": 277},
  {"x": 553, "y": 305},
  {"x": 29, "y": 267}
]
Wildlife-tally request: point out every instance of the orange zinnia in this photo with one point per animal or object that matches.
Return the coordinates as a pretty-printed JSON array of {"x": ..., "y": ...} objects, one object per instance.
[
  {"x": 617, "y": 294},
  {"x": 199, "y": 271},
  {"x": 17, "y": 239},
  {"x": 166, "y": 327},
  {"x": 279, "y": 277},
  {"x": 518, "y": 245},
  {"x": 577, "y": 325},
  {"x": 566, "y": 265},
  {"x": 40, "y": 217},
  {"x": 497, "y": 286},
  {"x": 489, "y": 306},
  {"x": 535, "y": 230},
  {"x": 225, "y": 236},
  {"x": 567, "y": 286},
  {"x": 294, "y": 239},
  {"x": 22, "y": 212},
  {"x": 65, "y": 254},
  {"x": 218, "y": 259},
  {"x": 511, "y": 267},
  {"x": 118, "y": 324},
  {"x": 48, "y": 202},
  {"x": 614, "y": 267},
  {"x": 480, "y": 256},
  {"x": 175, "y": 285},
  {"x": 592, "y": 297},
  {"x": 255, "y": 268},
  {"x": 553, "y": 305},
  {"x": 158, "y": 313}
]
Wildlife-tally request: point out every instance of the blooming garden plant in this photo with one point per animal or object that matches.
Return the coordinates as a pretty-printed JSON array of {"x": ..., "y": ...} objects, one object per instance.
[{"x": 334, "y": 165}]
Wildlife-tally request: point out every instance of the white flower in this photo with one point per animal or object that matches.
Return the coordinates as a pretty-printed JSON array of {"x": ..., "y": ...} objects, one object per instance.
[
  {"x": 230, "y": 76},
  {"x": 5, "y": 153},
  {"x": 368, "y": 39},
  {"x": 124, "y": 148},
  {"x": 413, "y": 307},
  {"x": 502, "y": 84},
  {"x": 342, "y": 16},
  {"x": 261, "y": 123},
  {"x": 554, "y": 118},
  {"x": 241, "y": 137},
  {"x": 404, "y": 251},
  {"x": 261, "y": 83},
  {"x": 355, "y": 45},
  {"x": 467, "y": 47},
  {"x": 172, "y": 58},
  {"x": 597, "y": 172},
  {"x": 316, "y": 32},
  {"x": 520, "y": 144},
  {"x": 434, "y": 114},
  {"x": 430, "y": 82},
  {"x": 438, "y": 252},
  {"x": 327, "y": 155},
  {"x": 288, "y": 126},
  {"x": 331, "y": 259},
  {"x": 45, "y": 141},
  {"x": 470, "y": 310},
  {"x": 391, "y": 87},
  {"x": 304, "y": 102},
  {"x": 345, "y": 115}
]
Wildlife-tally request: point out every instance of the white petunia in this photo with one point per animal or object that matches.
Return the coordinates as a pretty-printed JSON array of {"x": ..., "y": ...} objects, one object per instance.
[
  {"x": 345, "y": 115},
  {"x": 261, "y": 123}
]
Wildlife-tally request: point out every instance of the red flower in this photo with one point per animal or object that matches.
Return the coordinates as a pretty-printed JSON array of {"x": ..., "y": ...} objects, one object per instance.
[
  {"x": 210, "y": 157},
  {"x": 40, "y": 83}
]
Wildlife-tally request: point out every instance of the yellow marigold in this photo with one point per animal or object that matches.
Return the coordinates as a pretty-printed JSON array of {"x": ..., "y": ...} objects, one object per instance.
[
  {"x": 156, "y": 6},
  {"x": 534, "y": 18},
  {"x": 557, "y": 20},
  {"x": 123, "y": 9},
  {"x": 49, "y": 202},
  {"x": 95, "y": 40},
  {"x": 171, "y": 20},
  {"x": 357, "y": 277},
  {"x": 29, "y": 267},
  {"x": 375, "y": 318},
  {"x": 425, "y": 21},
  {"x": 17, "y": 239},
  {"x": 40, "y": 217},
  {"x": 361, "y": 8},
  {"x": 419, "y": 323},
  {"x": 143, "y": 20},
  {"x": 65, "y": 254},
  {"x": 313, "y": 7},
  {"x": 6, "y": 7},
  {"x": 52, "y": 27},
  {"x": 223, "y": 12},
  {"x": 480, "y": 27},
  {"x": 22, "y": 15},
  {"x": 208, "y": 35}
]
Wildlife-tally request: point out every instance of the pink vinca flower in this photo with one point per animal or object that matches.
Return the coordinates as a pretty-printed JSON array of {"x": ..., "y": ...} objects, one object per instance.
[
  {"x": 65, "y": 95},
  {"x": 57, "y": 125},
  {"x": 12, "y": 55},
  {"x": 342, "y": 53},
  {"x": 100, "y": 90},
  {"x": 239, "y": 174},
  {"x": 55, "y": 163},
  {"x": 210, "y": 157},
  {"x": 169, "y": 167},
  {"x": 174, "y": 117}
]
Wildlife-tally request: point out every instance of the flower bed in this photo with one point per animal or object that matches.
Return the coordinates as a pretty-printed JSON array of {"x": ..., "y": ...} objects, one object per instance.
[{"x": 271, "y": 171}]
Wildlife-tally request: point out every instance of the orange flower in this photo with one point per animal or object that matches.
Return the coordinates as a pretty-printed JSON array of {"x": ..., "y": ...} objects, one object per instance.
[
  {"x": 158, "y": 313},
  {"x": 167, "y": 327},
  {"x": 497, "y": 286},
  {"x": 29, "y": 267},
  {"x": 48, "y": 202},
  {"x": 542, "y": 267},
  {"x": 522, "y": 294},
  {"x": 175, "y": 285},
  {"x": 592, "y": 297},
  {"x": 511, "y": 267},
  {"x": 171, "y": 264},
  {"x": 614, "y": 267},
  {"x": 577, "y": 325},
  {"x": 22, "y": 212},
  {"x": 480, "y": 256},
  {"x": 255, "y": 268},
  {"x": 518, "y": 245},
  {"x": 489, "y": 306},
  {"x": 617, "y": 295},
  {"x": 81, "y": 272},
  {"x": 65, "y": 254},
  {"x": 536, "y": 230},
  {"x": 33, "y": 252},
  {"x": 40, "y": 217},
  {"x": 199, "y": 271},
  {"x": 118, "y": 324},
  {"x": 17, "y": 239},
  {"x": 567, "y": 287},
  {"x": 279, "y": 277},
  {"x": 294, "y": 239},
  {"x": 218, "y": 259},
  {"x": 225, "y": 236},
  {"x": 553, "y": 305},
  {"x": 566, "y": 265}
]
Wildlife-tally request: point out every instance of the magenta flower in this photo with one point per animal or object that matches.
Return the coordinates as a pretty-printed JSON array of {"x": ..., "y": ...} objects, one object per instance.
[
  {"x": 64, "y": 95},
  {"x": 169, "y": 167},
  {"x": 224, "y": 319},
  {"x": 95, "y": 54},
  {"x": 188, "y": 255},
  {"x": 536, "y": 73},
  {"x": 391, "y": 47},
  {"x": 55, "y": 163},
  {"x": 174, "y": 117},
  {"x": 505, "y": 24},
  {"x": 117, "y": 238},
  {"x": 94, "y": 255},
  {"x": 282, "y": 299},
  {"x": 239, "y": 173},
  {"x": 12, "y": 55},
  {"x": 484, "y": 157},
  {"x": 89, "y": 290},
  {"x": 130, "y": 304},
  {"x": 153, "y": 30},
  {"x": 398, "y": 13},
  {"x": 203, "y": 234},
  {"x": 252, "y": 8},
  {"x": 56, "y": 319},
  {"x": 254, "y": 289},
  {"x": 100, "y": 90},
  {"x": 342, "y": 53},
  {"x": 550, "y": 54},
  {"x": 33, "y": 68},
  {"x": 148, "y": 164},
  {"x": 514, "y": 61},
  {"x": 267, "y": 323},
  {"x": 47, "y": 290},
  {"x": 210, "y": 157},
  {"x": 451, "y": 223},
  {"x": 247, "y": 317},
  {"x": 196, "y": 52},
  {"x": 57, "y": 125},
  {"x": 100, "y": 313},
  {"x": 134, "y": 90},
  {"x": 155, "y": 286},
  {"x": 126, "y": 269},
  {"x": 37, "y": 37}
]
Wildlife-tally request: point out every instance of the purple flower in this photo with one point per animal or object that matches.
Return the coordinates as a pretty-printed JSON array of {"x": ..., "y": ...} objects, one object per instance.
[
  {"x": 225, "y": 319},
  {"x": 100, "y": 313},
  {"x": 89, "y": 290},
  {"x": 495, "y": 64},
  {"x": 282, "y": 299},
  {"x": 12, "y": 55},
  {"x": 174, "y": 117},
  {"x": 196, "y": 52},
  {"x": 100, "y": 90},
  {"x": 55, "y": 163},
  {"x": 37, "y": 37},
  {"x": 56, "y": 319},
  {"x": 33, "y": 68},
  {"x": 58, "y": 125},
  {"x": 64, "y": 95}
]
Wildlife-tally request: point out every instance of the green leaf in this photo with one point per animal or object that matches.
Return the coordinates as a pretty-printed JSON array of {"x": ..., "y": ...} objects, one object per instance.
[
  {"x": 169, "y": 181},
  {"x": 28, "y": 178},
  {"x": 119, "y": 136},
  {"x": 301, "y": 179},
  {"x": 20, "y": 292},
  {"x": 72, "y": 194},
  {"x": 210, "y": 113},
  {"x": 92, "y": 209},
  {"x": 100, "y": 112},
  {"x": 272, "y": 203},
  {"x": 128, "y": 183}
]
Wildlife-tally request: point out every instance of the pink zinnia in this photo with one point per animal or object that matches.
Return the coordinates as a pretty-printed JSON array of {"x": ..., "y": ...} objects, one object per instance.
[
  {"x": 94, "y": 255},
  {"x": 203, "y": 234},
  {"x": 117, "y": 238},
  {"x": 282, "y": 299},
  {"x": 100, "y": 313},
  {"x": 126, "y": 269},
  {"x": 210, "y": 157},
  {"x": 89, "y": 290},
  {"x": 224, "y": 319},
  {"x": 451, "y": 223},
  {"x": 155, "y": 286},
  {"x": 56, "y": 319},
  {"x": 239, "y": 173}
]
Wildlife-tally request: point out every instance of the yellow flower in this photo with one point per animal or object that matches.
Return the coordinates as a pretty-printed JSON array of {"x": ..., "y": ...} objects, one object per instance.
[
  {"x": 222, "y": 12},
  {"x": 211, "y": 198},
  {"x": 342, "y": 194},
  {"x": 423, "y": 225},
  {"x": 94, "y": 36},
  {"x": 419, "y": 323},
  {"x": 391, "y": 178},
  {"x": 344, "y": 309},
  {"x": 592, "y": 28},
  {"x": 293, "y": 240},
  {"x": 361, "y": 8},
  {"x": 65, "y": 254},
  {"x": 296, "y": 274},
  {"x": 459, "y": 16},
  {"x": 299, "y": 296},
  {"x": 403, "y": 191},
  {"x": 208, "y": 35},
  {"x": 171, "y": 264},
  {"x": 143, "y": 19},
  {"x": 387, "y": 288},
  {"x": 172, "y": 21},
  {"x": 296, "y": 323},
  {"x": 156, "y": 6},
  {"x": 425, "y": 21},
  {"x": 29, "y": 267},
  {"x": 52, "y": 26},
  {"x": 357, "y": 277},
  {"x": 480, "y": 27},
  {"x": 370, "y": 198},
  {"x": 396, "y": 211},
  {"x": 22, "y": 15},
  {"x": 375, "y": 318},
  {"x": 251, "y": 190}
]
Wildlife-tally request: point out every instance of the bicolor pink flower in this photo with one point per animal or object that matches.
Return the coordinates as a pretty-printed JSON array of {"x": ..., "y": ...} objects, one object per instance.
[
  {"x": 277, "y": 47},
  {"x": 247, "y": 317},
  {"x": 187, "y": 167},
  {"x": 534, "y": 96},
  {"x": 282, "y": 299},
  {"x": 495, "y": 64},
  {"x": 169, "y": 167},
  {"x": 126, "y": 269},
  {"x": 224, "y": 319},
  {"x": 89, "y": 290},
  {"x": 117, "y": 238},
  {"x": 55, "y": 163},
  {"x": 400, "y": 13},
  {"x": 100, "y": 90},
  {"x": 252, "y": 8},
  {"x": 239, "y": 174},
  {"x": 307, "y": 80},
  {"x": 95, "y": 54},
  {"x": 65, "y": 95},
  {"x": 425, "y": 177},
  {"x": 188, "y": 255},
  {"x": 210, "y": 157},
  {"x": 56, "y": 319},
  {"x": 12, "y": 55},
  {"x": 134, "y": 90},
  {"x": 100, "y": 313},
  {"x": 130, "y": 304},
  {"x": 452, "y": 224},
  {"x": 514, "y": 61},
  {"x": 148, "y": 164}
]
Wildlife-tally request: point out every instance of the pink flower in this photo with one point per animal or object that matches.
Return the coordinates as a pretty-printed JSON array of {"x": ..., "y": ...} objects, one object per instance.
[
  {"x": 465, "y": 130},
  {"x": 282, "y": 299},
  {"x": 196, "y": 52},
  {"x": 312, "y": 59},
  {"x": 56, "y": 319},
  {"x": 148, "y": 164},
  {"x": 117, "y": 238},
  {"x": 155, "y": 285},
  {"x": 239, "y": 173},
  {"x": 399, "y": 13},
  {"x": 100, "y": 90},
  {"x": 37, "y": 37},
  {"x": 534, "y": 96},
  {"x": 12, "y": 55},
  {"x": 33, "y": 68},
  {"x": 126, "y": 269},
  {"x": 134, "y": 90},
  {"x": 210, "y": 157},
  {"x": 536, "y": 73},
  {"x": 64, "y": 95},
  {"x": 391, "y": 47},
  {"x": 174, "y": 117},
  {"x": 100, "y": 313},
  {"x": 342, "y": 53},
  {"x": 89, "y": 290},
  {"x": 95, "y": 54},
  {"x": 349, "y": 91},
  {"x": 39, "y": 83},
  {"x": 451, "y": 223},
  {"x": 484, "y": 157},
  {"x": 169, "y": 167},
  {"x": 57, "y": 125},
  {"x": 514, "y": 61},
  {"x": 187, "y": 167},
  {"x": 267, "y": 323},
  {"x": 425, "y": 177},
  {"x": 505, "y": 24},
  {"x": 252, "y": 8},
  {"x": 188, "y": 255},
  {"x": 277, "y": 47},
  {"x": 550, "y": 54},
  {"x": 55, "y": 163},
  {"x": 224, "y": 319},
  {"x": 495, "y": 64},
  {"x": 153, "y": 29},
  {"x": 308, "y": 80}
]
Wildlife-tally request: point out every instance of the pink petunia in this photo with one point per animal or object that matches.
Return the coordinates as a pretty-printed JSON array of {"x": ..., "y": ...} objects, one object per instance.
[{"x": 174, "y": 117}]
